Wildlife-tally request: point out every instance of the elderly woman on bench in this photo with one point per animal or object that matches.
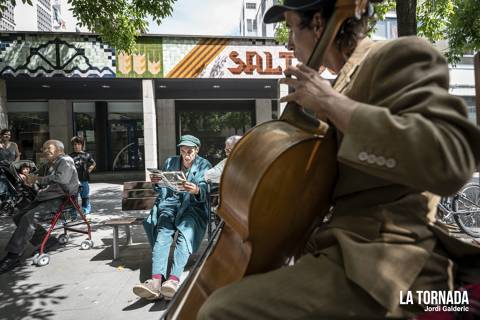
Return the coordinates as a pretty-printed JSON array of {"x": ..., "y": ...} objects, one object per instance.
[{"x": 185, "y": 212}]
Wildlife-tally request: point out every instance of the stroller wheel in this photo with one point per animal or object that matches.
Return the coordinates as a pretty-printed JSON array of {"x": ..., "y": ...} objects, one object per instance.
[
  {"x": 43, "y": 260},
  {"x": 86, "y": 244},
  {"x": 63, "y": 239}
]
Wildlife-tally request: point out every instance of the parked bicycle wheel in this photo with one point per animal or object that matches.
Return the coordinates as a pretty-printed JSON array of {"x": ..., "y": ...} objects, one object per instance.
[{"x": 467, "y": 209}]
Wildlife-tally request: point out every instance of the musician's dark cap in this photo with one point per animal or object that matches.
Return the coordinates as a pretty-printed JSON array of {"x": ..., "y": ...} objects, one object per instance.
[
  {"x": 275, "y": 13},
  {"x": 189, "y": 141}
]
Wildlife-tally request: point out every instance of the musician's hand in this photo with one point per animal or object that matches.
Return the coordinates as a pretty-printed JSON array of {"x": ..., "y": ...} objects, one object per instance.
[
  {"x": 191, "y": 187},
  {"x": 155, "y": 178},
  {"x": 316, "y": 94}
]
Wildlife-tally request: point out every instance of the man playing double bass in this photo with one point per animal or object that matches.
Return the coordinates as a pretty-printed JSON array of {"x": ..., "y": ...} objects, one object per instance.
[{"x": 399, "y": 134}]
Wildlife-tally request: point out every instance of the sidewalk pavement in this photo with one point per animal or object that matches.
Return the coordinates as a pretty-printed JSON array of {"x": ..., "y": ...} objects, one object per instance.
[{"x": 83, "y": 284}]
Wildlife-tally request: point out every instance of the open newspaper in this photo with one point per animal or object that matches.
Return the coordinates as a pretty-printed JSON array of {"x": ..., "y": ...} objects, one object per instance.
[{"x": 170, "y": 179}]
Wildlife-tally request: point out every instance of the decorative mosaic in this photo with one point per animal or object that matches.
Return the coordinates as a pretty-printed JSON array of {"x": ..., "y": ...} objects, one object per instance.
[
  {"x": 146, "y": 62},
  {"x": 70, "y": 55},
  {"x": 37, "y": 55},
  {"x": 227, "y": 58}
]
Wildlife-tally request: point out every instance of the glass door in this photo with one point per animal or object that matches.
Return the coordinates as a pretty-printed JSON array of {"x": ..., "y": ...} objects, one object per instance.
[{"x": 126, "y": 143}]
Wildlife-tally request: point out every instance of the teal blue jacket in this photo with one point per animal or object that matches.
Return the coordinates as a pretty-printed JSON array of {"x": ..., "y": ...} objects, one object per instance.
[{"x": 191, "y": 217}]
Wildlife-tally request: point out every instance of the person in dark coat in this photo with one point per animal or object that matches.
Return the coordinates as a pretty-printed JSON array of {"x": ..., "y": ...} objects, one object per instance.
[{"x": 60, "y": 180}]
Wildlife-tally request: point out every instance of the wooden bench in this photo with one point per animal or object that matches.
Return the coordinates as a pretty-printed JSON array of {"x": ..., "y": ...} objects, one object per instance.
[{"x": 137, "y": 195}]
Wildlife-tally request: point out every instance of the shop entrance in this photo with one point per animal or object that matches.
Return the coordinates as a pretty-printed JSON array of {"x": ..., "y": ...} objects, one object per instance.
[
  {"x": 212, "y": 121},
  {"x": 126, "y": 143}
]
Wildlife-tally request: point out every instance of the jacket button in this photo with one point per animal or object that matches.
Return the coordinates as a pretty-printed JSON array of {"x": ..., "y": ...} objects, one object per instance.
[
  {"x": 390, "y": 163},
  {"x": 380, "y": 161},
  {"x": 371, "y": 158},
  {"x": 362, "y": 156}
]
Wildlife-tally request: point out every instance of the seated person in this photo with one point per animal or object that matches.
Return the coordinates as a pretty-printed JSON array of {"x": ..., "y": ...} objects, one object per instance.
[
  {"x": 185, "y": 212},
  {"x": 23, "y": 173},
  {"x": 213, "y": 175},
  {"x": 60, "y": 179}
]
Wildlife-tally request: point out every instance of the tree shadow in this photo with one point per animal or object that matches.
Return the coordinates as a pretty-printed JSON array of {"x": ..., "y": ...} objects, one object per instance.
[{"x": 21, "y": 298}]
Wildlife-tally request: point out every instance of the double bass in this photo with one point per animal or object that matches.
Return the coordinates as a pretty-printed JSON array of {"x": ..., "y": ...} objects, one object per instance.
[{"x": 278, "y": 180}]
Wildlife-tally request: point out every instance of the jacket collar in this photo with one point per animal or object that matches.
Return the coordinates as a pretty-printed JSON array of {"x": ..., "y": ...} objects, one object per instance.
[
  {"x": 346, "y": 73},
  {"x": 193, "y": 169}
]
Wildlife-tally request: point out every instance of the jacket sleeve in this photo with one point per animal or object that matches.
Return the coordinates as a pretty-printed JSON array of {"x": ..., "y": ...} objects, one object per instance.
[
  {"x": 411, "y": 131},
  {"x": 62, "y": 175},
  {"x": 201, "y": 183}
]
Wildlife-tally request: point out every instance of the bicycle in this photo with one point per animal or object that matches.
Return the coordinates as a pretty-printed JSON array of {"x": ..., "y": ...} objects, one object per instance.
[{"x": 463, "y": 208}]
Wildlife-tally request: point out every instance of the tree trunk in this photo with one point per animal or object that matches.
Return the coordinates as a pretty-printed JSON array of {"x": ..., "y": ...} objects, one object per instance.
[
  {"x": 476, "y": 63},
  {"x": 407, "y": 17}
]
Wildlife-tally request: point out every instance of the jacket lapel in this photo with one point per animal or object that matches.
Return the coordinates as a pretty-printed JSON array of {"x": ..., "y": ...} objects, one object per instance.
[{"x": 346, "y": 73}]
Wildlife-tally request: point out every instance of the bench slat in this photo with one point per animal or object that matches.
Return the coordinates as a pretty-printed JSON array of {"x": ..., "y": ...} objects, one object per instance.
[
  {"x": 139, "y": 193},
  {"x": 123, "y": 221},
  {"x": 138, "y": 203},
  {"x": 137, "y": 185}
]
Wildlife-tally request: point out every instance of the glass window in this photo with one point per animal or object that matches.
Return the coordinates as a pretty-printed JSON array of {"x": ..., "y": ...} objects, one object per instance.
[
  {"x": 212, "y": 125},
  {"x": 380, "y": 30},
  {"x": 30, "y": 131},
  {"x": 125, "y": 120},
  {"x": 254, "y": 25},
  {"x": 471, "y": 107},
  {"x": 392, "y": 28},
  {"x": 249, "y": 25},
  {"x": 84, "y": 124},
  {"x": 251, "y": 5}
]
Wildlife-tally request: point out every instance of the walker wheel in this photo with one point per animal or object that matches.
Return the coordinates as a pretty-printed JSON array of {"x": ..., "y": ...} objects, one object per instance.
[
  {"x": 43, "y": 260},
  {"x": 86, "y": 244},
  {"x": 63, "y": 239}
]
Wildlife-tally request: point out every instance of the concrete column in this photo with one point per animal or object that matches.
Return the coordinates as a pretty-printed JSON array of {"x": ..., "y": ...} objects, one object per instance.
[
  {"x": 3, "y": 105},
  {"x": 149, "y": 126},
  {"x": 263, "y": 110},
  {"x": 103, "y": 158},
  {"x": 60, "y": 118},
  {"x": 166, "y": 129},
  {"x": 283, "y": 92}
]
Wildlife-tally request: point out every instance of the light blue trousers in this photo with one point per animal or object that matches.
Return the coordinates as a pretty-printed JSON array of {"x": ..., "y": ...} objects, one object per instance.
[{"x": 161, "y": 245}]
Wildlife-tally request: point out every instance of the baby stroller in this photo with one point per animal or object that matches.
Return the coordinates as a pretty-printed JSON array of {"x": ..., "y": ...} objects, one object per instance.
[{"x": 14, "y": 193}]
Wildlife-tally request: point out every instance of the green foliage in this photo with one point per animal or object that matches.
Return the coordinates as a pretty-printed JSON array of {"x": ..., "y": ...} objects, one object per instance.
[
  {"x": 380, "y": 10},
  {"x": 433, "y": 18},
  {"x": 281, "y": 32},
  {"x": 457, "y": 21},
  {"x": 119, "y": 22},
  {"x": 463, "y": 29}
]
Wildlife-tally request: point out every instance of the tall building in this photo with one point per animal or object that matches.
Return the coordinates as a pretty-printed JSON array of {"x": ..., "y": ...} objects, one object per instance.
[
  {"x": 42, "y": 15},
  {"x": 251, "y": 19}
]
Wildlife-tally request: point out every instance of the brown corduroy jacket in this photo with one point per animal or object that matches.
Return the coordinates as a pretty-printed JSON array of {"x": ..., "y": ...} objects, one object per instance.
[{"x": 407, "y": 136}]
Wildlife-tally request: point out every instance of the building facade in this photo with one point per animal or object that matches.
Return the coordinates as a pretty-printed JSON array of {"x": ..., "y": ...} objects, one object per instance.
[
  {"x": 251, "y": 19},
  {"x": 41, "y": 15},
  {"x": 133, "y": 108}
]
